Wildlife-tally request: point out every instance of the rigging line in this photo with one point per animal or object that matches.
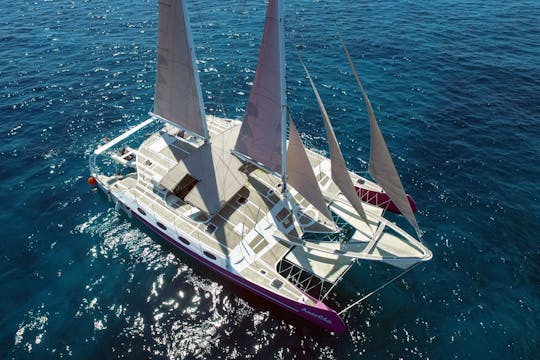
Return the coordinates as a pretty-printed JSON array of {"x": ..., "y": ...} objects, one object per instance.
[
  {"x": 198, "y": 12},
  {"x": 378, "y": 289},
  {"x": 219, "y": 97}
]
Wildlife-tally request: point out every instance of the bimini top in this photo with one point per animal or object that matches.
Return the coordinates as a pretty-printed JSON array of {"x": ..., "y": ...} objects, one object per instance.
[{"x": 209, "y": 176}]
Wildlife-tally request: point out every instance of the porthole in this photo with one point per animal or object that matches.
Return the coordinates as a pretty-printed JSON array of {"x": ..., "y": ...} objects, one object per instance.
[
  {"x": 185, "y": 241},
  {"x": 161, "y": 225},
  {"x": 141, "y": 211},
  {"x": 209, "y": 255}
]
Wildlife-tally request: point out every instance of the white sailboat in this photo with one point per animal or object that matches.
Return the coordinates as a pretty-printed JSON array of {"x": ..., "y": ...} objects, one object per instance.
[{"x": 284, "y": 222}]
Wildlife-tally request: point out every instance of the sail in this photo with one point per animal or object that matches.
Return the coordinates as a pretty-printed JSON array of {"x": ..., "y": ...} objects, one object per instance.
[
  {"x": 381, "y": 166},
  {"x": 301, "y": 176},
  {"x": 178, "y": 96},
  {"x": 340, "y": 174},
  {"x": 261, "y": 134}
]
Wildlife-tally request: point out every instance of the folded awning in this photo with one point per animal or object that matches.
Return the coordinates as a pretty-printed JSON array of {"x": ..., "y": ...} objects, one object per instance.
[{"x": 216, "y": 170}]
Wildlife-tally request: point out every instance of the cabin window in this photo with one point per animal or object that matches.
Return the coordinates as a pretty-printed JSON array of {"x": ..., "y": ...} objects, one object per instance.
[
  {"x": 284, "y": 216},
  {"x": 173, "y": 201},
  {"x": 211, "y": 228},
  {"x": 161, "y": 226},
  {"x": 185, "y": 185},
  {"x": 141, "y": 211},
  {"x": 209, "y": 255},
  {"x": 277, "y": 284},
  {"x": 185, "y": 241},
  {"x": 242, "y": 200}
]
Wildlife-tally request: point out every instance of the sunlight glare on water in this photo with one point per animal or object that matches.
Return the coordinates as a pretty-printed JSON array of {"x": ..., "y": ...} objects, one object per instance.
[{"x": 453, "y": 84}]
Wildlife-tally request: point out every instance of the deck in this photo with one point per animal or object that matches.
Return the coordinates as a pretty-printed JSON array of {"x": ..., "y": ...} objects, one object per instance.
[
  {"x": 236, "y": 233},
  {"x": 225, "y": 230}
]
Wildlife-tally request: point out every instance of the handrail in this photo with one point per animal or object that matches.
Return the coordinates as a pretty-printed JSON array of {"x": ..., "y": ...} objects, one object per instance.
[
  {"x": 123, "y": 136},
  {"x": 108, "y": 145}
]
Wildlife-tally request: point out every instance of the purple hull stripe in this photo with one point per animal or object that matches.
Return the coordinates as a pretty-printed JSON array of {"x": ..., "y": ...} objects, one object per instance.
[{"x": 319, "y": 314}]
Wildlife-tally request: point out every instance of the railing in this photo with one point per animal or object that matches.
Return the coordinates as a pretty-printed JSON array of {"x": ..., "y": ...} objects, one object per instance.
[{"x": 113, "y": 142}]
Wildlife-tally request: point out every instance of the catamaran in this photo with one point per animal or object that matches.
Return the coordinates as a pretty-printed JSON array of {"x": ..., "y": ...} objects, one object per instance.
[{"x": 246, "y": 198}]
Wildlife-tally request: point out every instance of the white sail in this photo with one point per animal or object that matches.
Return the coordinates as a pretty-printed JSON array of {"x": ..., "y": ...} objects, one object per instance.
[
  {"x": 178, "y": 97},
  {"x": 381, "y": 165},
  {"x": 301, "y": 176},
  {"x": 261, "y": 135},
  {"x": 340, "y": 174}
]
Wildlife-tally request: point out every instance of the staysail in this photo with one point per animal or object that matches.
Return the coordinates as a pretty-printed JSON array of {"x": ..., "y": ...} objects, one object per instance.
[
  {"x": 381, "y": 166},
  {"x": 301, "y": 176},
  {"x": 178, "y": 97},
  {"x": 340, "y": 174},
  {"x": 261, "y": 135}
]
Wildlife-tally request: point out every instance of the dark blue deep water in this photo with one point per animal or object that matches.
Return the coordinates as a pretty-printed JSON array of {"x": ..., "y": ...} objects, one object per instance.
[{"x": 456, "y": 87}]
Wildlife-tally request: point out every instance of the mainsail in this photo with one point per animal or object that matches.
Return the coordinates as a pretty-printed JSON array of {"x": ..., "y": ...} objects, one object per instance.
[
  {"x": 178, "y": 97},
  {"x": 340, "y": 174},
  {"x": 301, "y": 176},
  {"x": 381, "y": 166},
  {"x": 261, "y": 135}
]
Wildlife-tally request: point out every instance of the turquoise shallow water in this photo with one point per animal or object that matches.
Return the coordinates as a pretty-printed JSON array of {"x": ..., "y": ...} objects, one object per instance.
[{"x": 455, "y": 86}]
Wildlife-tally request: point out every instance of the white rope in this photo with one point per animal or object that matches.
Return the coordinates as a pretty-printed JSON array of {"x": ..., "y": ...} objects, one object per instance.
[{"x": 378, "y": 289}]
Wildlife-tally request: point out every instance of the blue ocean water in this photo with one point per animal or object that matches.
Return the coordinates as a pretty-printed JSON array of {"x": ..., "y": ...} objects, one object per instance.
[{"x": 455, "y": 86}]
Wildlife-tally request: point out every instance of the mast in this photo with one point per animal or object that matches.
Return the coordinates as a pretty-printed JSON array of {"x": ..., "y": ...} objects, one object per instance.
[
  {"x": 282, "y": 74},
  {"x": 195, "y": 71}
]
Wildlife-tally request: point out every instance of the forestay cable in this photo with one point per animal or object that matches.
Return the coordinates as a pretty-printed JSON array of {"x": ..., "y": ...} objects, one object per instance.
[{"x": 378, "y": 289}]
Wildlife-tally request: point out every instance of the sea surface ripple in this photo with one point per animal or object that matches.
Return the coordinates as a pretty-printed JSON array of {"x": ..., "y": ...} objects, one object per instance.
[{"x": 455, "y": 87}]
